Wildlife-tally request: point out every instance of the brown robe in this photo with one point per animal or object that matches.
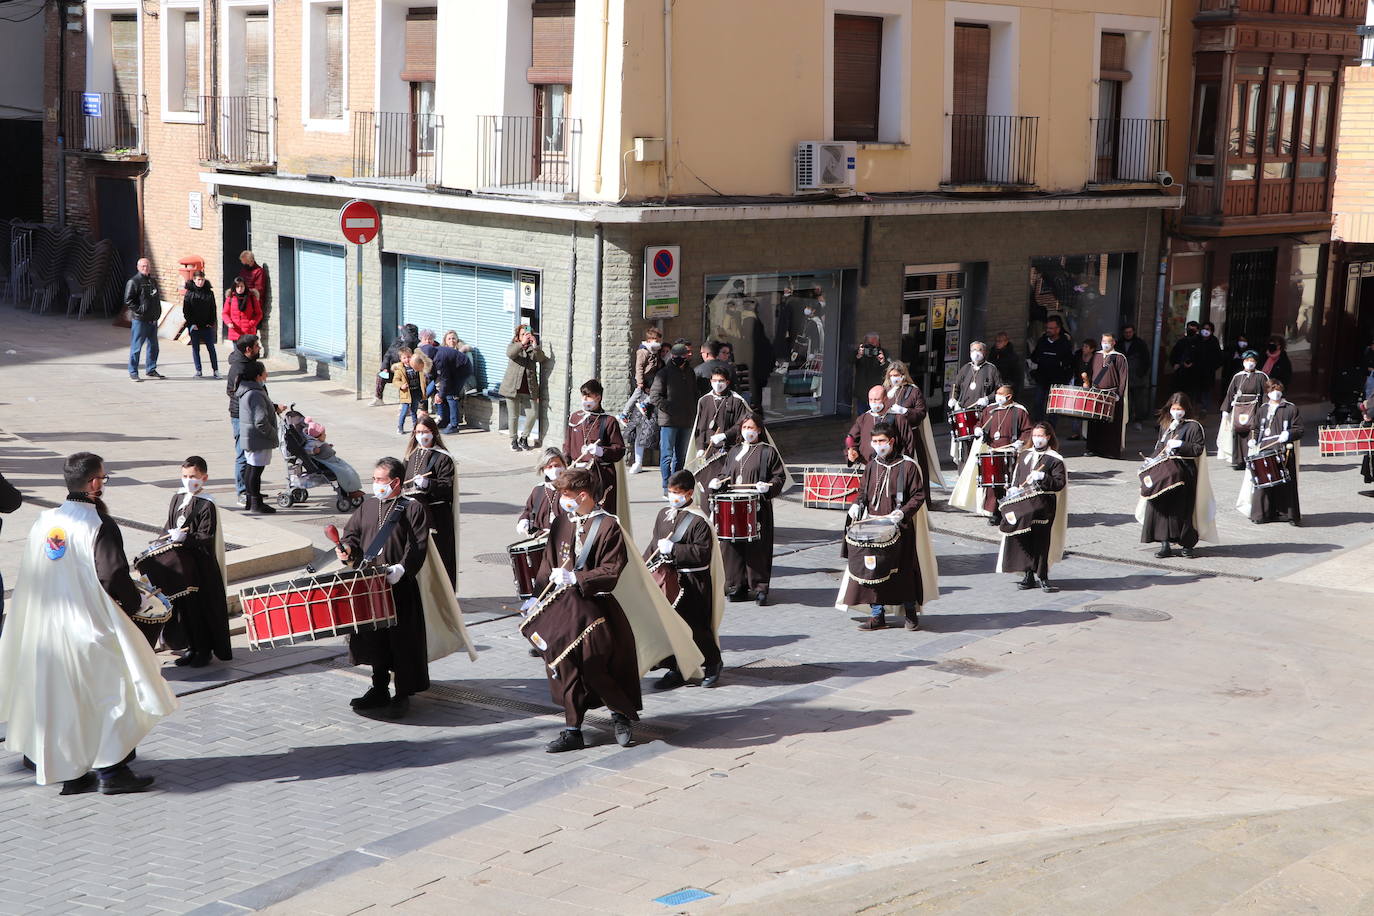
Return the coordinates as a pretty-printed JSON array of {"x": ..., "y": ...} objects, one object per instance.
[
  {"x": 896, "y": 483},
  {"x": 200, "y": 620},
  {"x": 1109, "y": 372},
  {"x": 1278, "y": 503},
  {"x": 1169, "y": 516},
  {"x": 400, "y": 650},
  {"x": 749, "y": 564},
  {"x": 588, "y": 646},
  {"x": 1249, "y": 385},
  {"x": 438, "y": 499},
  {"x": 721, "y": 414},
  {"x": 603, "y": 429},
  {"x": 971, "y": 383},
  {"x": 540, "y": 508},
  {"x": 1002, "y": 427},
  {"x": 914, "y": 400},
  {"x": 1031, "y": 550},
  {"x": 691, "y": 556}
]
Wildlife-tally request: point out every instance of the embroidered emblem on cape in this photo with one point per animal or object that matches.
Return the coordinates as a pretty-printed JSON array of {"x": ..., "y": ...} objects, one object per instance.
[
  {"x": 870, "y": 562},
  {"x": 1010, "y": 517},
  {"x": 1149, "y": 481},
  {"x": 56, "y": 547}
]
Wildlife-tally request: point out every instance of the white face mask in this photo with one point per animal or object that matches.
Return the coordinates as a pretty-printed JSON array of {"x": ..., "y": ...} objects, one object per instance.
[
  {"x": 750, "y": 435},
  {"x": 894, "y": 381},
  {"x": 653, "y": 344},
  {"x": 678, "y": 500},
  {"x": 719, "y": 386},
  {"x": 1039, "y": 441},
  {"x": 192, "y": 485},
  {"x": 1276, "y": 396},
  {"x": 589, "y": 405},
  {"x": 882, "y": 449},
  {"x": 1250, "y": 365},
  {"x": 1176, "y": 412},
  {"x": 875, "y": 406},
  {"x": 1001, "y": 399},
  {"x": 809, "y": 311},
  {"x": 1242, "y": 345},
  {"x": 1206, "y": 333},
  {"x": 424, "y": 440},
  {"x": 1107, "y": 346},
  {"x": 976, "y": 356},
  {"x": 381, "y": 490},
  {"x": 551, "y": 474},
  {"x": 567, "y": 504}
]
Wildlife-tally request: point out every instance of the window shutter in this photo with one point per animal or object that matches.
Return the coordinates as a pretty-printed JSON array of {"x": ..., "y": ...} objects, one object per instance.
[
  {"x": 190, "y": 89},
  {"x": 444, "y": 296},
  {"x": 333, "y": 62},
  {"x": 321, "y": 300},
  {"x": 551, "y": 52},
  {"x": 255, "y": 41},
  {"x": 1113, "y": 57},
  {"x": 124, "y": 53},
  {"x": 421, "y": 39},
  {"x": 858, "y": 65},
  {"x": 972, "y": 49}
]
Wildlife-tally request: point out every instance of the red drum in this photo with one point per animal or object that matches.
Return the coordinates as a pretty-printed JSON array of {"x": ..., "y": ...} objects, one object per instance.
[
  {"x": 1083, "y": 403},
  {"x": 317, "y": 607},
  {"x": 1338, "y": 441},
  {"x": 830, "y": 487},
  {"x": 1268, "y": 469},
  {"x": 736, "y": 516},
  {"x": 962, "y": 423},
  {"x": 525, "y": 557},
  {"x": 994, "y": 469}
]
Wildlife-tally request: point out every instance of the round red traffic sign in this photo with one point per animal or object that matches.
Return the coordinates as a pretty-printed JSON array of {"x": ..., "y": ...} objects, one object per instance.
[
  {"x": 359, "y": 221},
  {"x": 663, "y": 262}
]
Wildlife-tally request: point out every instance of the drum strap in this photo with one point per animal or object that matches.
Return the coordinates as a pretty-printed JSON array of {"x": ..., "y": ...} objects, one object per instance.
[
  {"x": 378, "y": 544},
  {"x": 586, "y": 549},
  {"x": 1102, "y": 373},
  {"x": 681, "y": 529}
]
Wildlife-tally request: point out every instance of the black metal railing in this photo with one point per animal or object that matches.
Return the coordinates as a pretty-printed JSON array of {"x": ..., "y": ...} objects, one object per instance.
[
  {"x": 104, "y": 122},
  {"x": 992, "y": 149},
  {"x": 528, "y": 155},
  {"x": 398, "y": 145},
  {"x": 238, "y": 130},
  {"x": 1127, "y": 149}
]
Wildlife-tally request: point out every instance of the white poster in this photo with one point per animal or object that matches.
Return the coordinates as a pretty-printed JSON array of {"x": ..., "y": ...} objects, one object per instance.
[{"x": 662, "y": 268}]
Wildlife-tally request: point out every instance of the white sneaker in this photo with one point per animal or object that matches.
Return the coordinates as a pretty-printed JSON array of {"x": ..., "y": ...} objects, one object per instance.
[
  {"x": 636, "y": 467},
  {"x": 376, "y": 402}
]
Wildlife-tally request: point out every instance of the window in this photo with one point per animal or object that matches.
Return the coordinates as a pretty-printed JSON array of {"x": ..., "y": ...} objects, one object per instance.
[
  {"x": 124, "y": 52},
  {"x": 321, "y": 307},
  {"x": 968, "y": 129},
  {"x": 325, "y": 62},
  {"x": 858, "y": 77},
  {"x": 1205, "y": 131},
  {"x": 551, "y": 44},
  {"x": 181, "y": 62},
  {"x": 477, "y": 302}
]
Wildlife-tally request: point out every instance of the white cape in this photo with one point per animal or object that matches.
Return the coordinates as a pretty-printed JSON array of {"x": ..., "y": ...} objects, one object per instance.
[
  {"x": 965, "y": 493},
  {"x": 659, "y": 631},
  {"x": 79, "y": 685},
  {"x": 932, "y": 465},
  {"x": 1224, "y": 437},
  {"x": 1060, "y": 528},
  {"x": 1247, "y": 482},
  {"x": 717, "y": 575}
]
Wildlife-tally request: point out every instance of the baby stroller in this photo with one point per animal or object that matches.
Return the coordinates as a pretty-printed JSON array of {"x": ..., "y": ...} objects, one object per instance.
[{"x": 303, "y": 470}]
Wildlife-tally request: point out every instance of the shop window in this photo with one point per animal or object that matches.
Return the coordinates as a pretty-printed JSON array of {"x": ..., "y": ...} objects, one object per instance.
[
  {"x": 1090, "y": 293},
  {"x": 1204, "y": 150}
]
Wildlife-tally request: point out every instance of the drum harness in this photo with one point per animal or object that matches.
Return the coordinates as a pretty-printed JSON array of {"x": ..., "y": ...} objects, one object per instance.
[
  {"x": 582, "y": 460},
  {"x": 676, "y": 537},
  {"x": 1264, "y": 432},
  {"x": 583, "y": 551}
]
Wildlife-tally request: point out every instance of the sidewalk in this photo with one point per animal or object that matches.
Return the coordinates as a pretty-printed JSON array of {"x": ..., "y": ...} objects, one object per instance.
[{"x": 1138, "y": 696}]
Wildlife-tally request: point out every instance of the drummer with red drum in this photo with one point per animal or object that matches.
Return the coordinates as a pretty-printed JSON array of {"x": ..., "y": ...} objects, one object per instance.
[
  {"x": 1277, "y": 435},
  {"x": 973, "y": 389},
  {"x": 1003, "y": 426},
  {"x": 755, "y": 470},
  {"x": 542, "y": 503},
  {"x": 1239, "y": 409},
  {"x": 1109, "y": 373}
]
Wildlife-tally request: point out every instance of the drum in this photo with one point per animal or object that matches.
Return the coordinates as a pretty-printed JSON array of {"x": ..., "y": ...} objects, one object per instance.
[
  {"x": 666, "y": 577},
  {"x": 169, "y": 568},
  {"x": 830, "y": 487},
  {"x": 1339, "y": 441},
  {"x": 1083, "y": 403},
  {"x": 317, "y": 607},
  {"x": 874, "y": 550},
  {"x": 994, "y": 468},
  {"x": 156, "y": 608},
  {"x": 736, "y": 516},
  {"x": 525, "y": 557},
  {"x": 1268, "y": 469},
  {"x": 962, "y": 423},
  {"x": 1243, "y": 411},
  {"x": 1025, "y": 507},
  {"x": 1160, "y": 475}
]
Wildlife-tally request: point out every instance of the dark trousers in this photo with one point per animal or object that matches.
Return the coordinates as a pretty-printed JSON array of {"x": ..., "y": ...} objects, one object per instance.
[
  {"x": 204, "y": 337},
  {"x": 252, "y": 481}
]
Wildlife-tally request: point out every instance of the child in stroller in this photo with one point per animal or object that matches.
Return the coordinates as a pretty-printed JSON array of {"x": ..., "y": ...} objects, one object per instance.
[{"x": 312, "y": 462}]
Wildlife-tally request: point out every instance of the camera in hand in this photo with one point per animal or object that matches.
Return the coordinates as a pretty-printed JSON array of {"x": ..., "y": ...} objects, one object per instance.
[{"x": 869, "y": 351}]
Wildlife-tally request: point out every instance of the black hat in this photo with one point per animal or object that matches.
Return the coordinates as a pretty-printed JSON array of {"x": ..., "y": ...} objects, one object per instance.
[
  {"x": 1249, "y": 354},
  {"x": 680, "y": 350}
]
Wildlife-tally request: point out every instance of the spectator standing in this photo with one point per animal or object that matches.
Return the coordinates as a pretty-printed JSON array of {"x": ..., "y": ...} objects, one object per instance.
[
  {"x": 1186, "y": 358},
  {"x": 257, "y": 432},
  {"x": 10, "y": 500},
  {"x": 712, "y": 362},
  {"x": 870, "y": 362},
  {"x": 1211, "y": 360},
  {"x": 1276, "y": 363},
  {"x": 674, "y": 397},
  {"x": 1138, "y": 361},
  {"x": 451, "y": 368},
  {"x": 246, "y": 350},
  {"x": 639, "y": 426},
  {"x": 411, "y": 377},
  {"x": 1236, "y": 361},
  {"x": 409, "y": 337},
  {"x": 198, "y": 320},
  {"x": 1003, "y": 358},
  {"x": 520, "y": 386},
  {"x": 255, "y": 278},
  {"x": 241, "y": 313},
  {"x": 144, "y": 302},
  {"x": 1050, "y": 363}
]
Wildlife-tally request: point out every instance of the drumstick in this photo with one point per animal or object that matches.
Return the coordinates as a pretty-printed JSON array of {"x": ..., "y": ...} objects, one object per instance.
[{"x": 331, "y": 532}]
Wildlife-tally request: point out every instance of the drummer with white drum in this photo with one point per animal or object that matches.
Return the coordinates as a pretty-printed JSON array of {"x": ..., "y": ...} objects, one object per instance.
[
  {"x": 1176, "y": 503},
  {"x": 1035, "y": 512},
  {"x": 973, "y": 389},
  {"x": 754, "y": 470},
  {"x": 1239, "y": 409},
  {"x": 1275, "y": 440}
]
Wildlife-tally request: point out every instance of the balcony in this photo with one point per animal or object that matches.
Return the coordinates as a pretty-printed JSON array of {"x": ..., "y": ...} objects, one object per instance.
[
  {"x": 528, "y": 155},
  {"x": 992, "y": 151},
  {"x": 1127, "y": 150},
  {"x": 239, "y": 132},
  {"x": 398, "y": 146},
  {"x": 1347, "y": 10},
  {"x": 107, "y": 123}
]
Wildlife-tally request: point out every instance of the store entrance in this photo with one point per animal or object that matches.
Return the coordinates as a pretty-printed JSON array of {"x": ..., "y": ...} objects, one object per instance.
[{"x": 933, "y": 323}]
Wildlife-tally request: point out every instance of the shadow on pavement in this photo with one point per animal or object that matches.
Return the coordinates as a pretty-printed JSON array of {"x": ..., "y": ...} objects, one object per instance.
[
  {"x": 767, "y": 723},
  {"x": 1035, "y": 617},
  {"x": 90, "y": 436},
  {"x": 1126, "y": 583},
  {"x": 1108, "y": 519},
  {"x": 1259, "y": 551},
  {"x": 751, "y": 643}
]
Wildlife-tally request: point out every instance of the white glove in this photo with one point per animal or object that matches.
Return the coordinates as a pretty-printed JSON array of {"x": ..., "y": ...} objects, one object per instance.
[
  {"x": 716, "y": 483},
  {"x": 1037, "y": 475},
  {"x": 665, "y": 546},
  {"x": 597, "y": 450},
  {"x": 981, "y": 402},
  {"x": 522, "y": 527},
  {"x": 394, "y": 573},
  {"x": 176, "y": 534},
  {"x": 896, "y": 408},
  {"x": 1283, "y": 436},
  {"x": 977, "y": 432},
  {"x": 855, "y": 511},
  {"x": 528, "y": 605},
  {"x": 895, "y": 515},
  {"x": 1225, "y": 415},
  {"x": 718, "y": 438},
  {"x": 1174, "y": 443},
  {"x": 1252, "y": 447},
  {"x": 763, "y": 486},
  {"x": 953, "y": 404},
  {"x": 421, "y": 483},
  {"x": 561, "y": 576}
]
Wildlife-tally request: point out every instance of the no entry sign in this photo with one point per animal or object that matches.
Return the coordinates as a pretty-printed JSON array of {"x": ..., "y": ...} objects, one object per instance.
[{"x": 359, "y": 221}]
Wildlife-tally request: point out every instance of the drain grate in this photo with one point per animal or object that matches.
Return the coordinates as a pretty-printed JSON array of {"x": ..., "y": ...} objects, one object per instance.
[
  {"x": 1127, "y": 612},
  {"x": 786, "y": 671},
  {"x": 965, "y": 667},
  {"x": 686, "y": 895},
  {"x": 494, "y": 559}
]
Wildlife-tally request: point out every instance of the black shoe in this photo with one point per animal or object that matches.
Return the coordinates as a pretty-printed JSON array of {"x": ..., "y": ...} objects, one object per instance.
[
  {"x": 669, "y": 680},
  {"x": 994, "y": 521},
  {"x": 737, "y": 594},
  {"x": 712, "y": 677},
  {"x": 80, "y": 785},
  {"x": 568, "y": 740},
  {"x": 259, "y": 506},
  {"x": 1187, "y": 553},
  {"x": 153, "y": 373},
  {"x": 186, "y": 658},
  {"x": 29, "y": 764},
  {"x": 375, "y": 698},
  {"x": 123, "y": 782},
  {"x": 198, "y": 660},
  {"x": 874, "y": 623},
  {"x": 913, "y": 620},
  {"x": 761, "y": 597},
  {"x": 397, "y": 708},
  {"x": 1027, "y": 581},
  {"x": 515, "y": 447},
  {"x": 621, "y": 723},
  {"x": 1046, "y": 587},
  {"x": 524, "y": 443},
  {"x": 1164, "y": 552}
]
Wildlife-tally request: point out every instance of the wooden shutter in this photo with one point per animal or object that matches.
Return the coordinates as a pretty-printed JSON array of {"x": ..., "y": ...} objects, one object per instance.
[
  {"x": 1113, "y": 57},
  {"x": 551, "y": 51},
  {"x": 190, "y": 87},
  {"x": 858, "y": 68},
  {"x": 333, "y": 63},
  {"x": 421, "y": 38},
  {"x": 124, "y": 52},
  {"x": 972, "y": 49},
  {"x": 255, "y": 42}
]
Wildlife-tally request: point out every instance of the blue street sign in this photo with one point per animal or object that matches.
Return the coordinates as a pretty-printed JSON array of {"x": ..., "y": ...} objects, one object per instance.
[{"x": 90, "y": 104}]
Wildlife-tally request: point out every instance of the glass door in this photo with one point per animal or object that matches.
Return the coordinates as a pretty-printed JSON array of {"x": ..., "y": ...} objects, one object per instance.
[{"x": 932, "y": 329}]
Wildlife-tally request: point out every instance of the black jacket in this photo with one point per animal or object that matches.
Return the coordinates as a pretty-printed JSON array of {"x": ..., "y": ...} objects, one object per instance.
[
  {"x": 10, "y": 498},
  {"x": 706, "y": 368},
  {"x": 1054, "y": 360},
  {"x": 143, "y": 299},
  {"x": 674, "y": 394},
  {"x": 231, "y": 379},
  {"x": 198, "y": 306}
]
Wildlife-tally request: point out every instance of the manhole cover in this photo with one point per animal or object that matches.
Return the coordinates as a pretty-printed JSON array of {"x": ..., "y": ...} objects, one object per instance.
[
  {"x": 494, "y": 559},
  {"x": 1127, "y": 612},
  {"x": 338, "y": 392},
  {"x": 965, "y": 667},
  {"x": 785, "y": 671}
]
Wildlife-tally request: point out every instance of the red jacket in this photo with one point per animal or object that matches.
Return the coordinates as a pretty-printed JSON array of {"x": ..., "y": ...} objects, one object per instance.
[{"x": 241, "y": 317}]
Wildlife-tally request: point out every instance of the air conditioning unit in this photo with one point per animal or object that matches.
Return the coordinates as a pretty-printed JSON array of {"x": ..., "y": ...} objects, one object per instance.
[{"x": 825, "y": 164}]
